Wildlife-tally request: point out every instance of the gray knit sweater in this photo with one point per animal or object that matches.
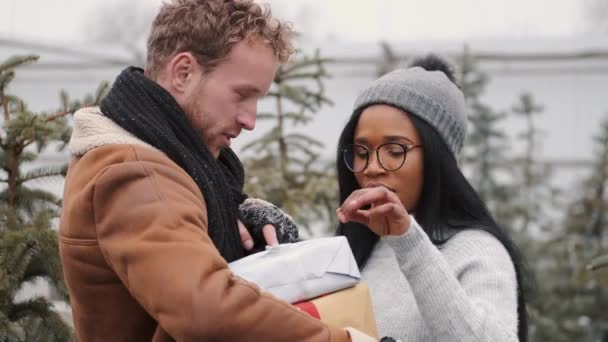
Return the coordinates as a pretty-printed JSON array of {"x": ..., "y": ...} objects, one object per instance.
[{"x": 464, "y": 290}]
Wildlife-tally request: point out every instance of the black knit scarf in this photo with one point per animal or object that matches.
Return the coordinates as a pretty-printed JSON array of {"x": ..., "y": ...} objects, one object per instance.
[{"x": 144, "y": 108}]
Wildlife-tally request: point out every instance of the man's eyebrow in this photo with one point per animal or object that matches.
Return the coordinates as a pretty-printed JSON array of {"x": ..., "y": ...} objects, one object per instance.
[{"x": 249, "y": 90}]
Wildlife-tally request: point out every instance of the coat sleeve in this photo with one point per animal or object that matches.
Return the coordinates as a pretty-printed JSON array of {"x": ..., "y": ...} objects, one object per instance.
[{"x": 151, "y": 224}]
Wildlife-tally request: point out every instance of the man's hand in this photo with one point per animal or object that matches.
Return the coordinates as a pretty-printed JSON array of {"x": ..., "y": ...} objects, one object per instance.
[
  {"x": 269, "y": 232},
  {"x": 262, "y": 223}
]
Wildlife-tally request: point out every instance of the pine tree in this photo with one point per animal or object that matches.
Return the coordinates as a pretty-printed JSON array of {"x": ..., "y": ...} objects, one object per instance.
[
  {"x": 530, "y": 209},
  {"x": 531, "y": 177},
  {"x": 536, "y": 201},
  {"x": 28, "y": 244},
  {"x": 571, "y": 303},
  {"x": 486, "y": 143},
  {"x": 284, "y": 166},
  {"x": 389, "y": 61},
  {"x": 592, "y": 213}
]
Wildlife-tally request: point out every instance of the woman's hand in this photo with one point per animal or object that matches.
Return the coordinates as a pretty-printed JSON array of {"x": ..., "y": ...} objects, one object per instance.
[{"x": 384, "y": 213}]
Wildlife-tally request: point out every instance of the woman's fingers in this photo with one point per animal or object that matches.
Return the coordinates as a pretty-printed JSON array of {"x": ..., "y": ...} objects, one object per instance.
[
  {"x": 378, "y": 208},
  {"x": 352, "y": 216},
  {"x": 386, "y": 209},
  {"x": 388, "y": 219},
  {"x": 362, "y": 198}
]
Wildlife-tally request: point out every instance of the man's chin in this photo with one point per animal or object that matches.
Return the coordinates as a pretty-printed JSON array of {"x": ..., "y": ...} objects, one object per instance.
[{"x": 215, "y": 153}]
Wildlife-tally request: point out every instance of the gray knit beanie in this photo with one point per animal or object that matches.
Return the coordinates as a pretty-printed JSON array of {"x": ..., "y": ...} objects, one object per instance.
[{"x": 426, "y": 89}]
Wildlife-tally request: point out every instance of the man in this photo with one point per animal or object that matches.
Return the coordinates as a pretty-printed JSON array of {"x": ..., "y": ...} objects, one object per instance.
[{"x": 150, "y": 202}]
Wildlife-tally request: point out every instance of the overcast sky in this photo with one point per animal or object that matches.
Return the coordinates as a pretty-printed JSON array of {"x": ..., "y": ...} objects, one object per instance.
[{"x": 356, "y": 20}]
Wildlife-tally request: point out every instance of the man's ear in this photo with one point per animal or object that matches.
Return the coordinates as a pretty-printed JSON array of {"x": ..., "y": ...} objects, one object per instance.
[{"x": 183, "y": 68}]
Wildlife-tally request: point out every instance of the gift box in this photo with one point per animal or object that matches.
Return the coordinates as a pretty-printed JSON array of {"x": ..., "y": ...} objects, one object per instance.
[
  {"x": 351, "y": 307},
  {"x": 302, "y": 270}
]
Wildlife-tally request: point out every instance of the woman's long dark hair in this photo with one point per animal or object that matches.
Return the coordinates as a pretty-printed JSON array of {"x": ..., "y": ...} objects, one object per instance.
[{"x": 447, "y": 202}]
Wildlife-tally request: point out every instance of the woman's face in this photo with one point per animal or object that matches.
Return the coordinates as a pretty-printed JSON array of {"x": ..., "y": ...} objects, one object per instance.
[{"x": 380, "y": 124}]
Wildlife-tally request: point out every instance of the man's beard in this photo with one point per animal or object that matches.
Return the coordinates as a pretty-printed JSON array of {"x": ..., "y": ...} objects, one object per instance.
[{"x": 194, "y": 119}]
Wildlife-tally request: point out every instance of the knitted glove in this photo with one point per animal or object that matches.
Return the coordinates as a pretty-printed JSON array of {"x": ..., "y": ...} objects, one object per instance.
[
  {"x": 256, "y": 213},
  {"x": 388, "y": 339}
]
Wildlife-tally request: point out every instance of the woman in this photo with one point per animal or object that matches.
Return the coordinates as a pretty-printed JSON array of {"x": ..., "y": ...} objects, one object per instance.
[{"x": 448, "y": 272}]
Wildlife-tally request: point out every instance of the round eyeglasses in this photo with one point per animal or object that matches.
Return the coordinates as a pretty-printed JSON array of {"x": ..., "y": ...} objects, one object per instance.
[{"x": 391, "y": 156}]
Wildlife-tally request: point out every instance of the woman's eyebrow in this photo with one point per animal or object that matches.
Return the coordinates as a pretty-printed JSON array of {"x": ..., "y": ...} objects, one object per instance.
[
  {"x": 361, "y": 141},
  {"x": 395, "y": 138},
  {"x": 387, "y": 138}
]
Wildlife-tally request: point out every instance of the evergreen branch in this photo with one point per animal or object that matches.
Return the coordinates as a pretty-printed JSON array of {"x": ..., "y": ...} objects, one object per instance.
[
  {"x": 5, "y": 79},
  {"x": 37, "y": 195},
  {"x": 296, "y": 160},
  {"x": 64, "y": 99},
  {"x": 599, "y": 262},
  {"x": 274, "y": 94},
  {"x": 15, "y": 260},
  {"x": 268, "y": 138},
  {"x": 306, "y": 75},
  {"x": 89, "y": 101},
  {"x": 45, "y": 264},
  {"x": 266, "y": 116},
  {"x": 14, "y": 100},
  {"x": 15, "y": 61},
  {"x": 29, "y": 200},
  {"x": 27, "y": 157},
  {"x": 304, "y": 63},
  {"x": 29, "y": 253},
  {"x": 293, "y": 137},
  {"x": 5, "y": 108},
  {"x": 319, "y": 175},
  {"x": 50, "y": 327},
  {"x": 302, "y": 148},
  {"x": 10, "y": 331},
  {"x": 37, "y": 307},
  {"x": 23, "y": 145},
  {"x": 303, "y": 97},
  {"x": 102, "y": 90},
  {"x": 297, "y": 118},
  {"x": 57, "y": 115},
  {"x": 257, "y": 145},
  {"x": 9, "y": 221},
  {"x": 43, "y": 172}
]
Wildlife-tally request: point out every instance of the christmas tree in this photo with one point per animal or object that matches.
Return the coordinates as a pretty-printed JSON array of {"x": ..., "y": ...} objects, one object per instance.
[
  {"x": 486, "y": 143},
  {"x": 28, "y": 244},
  {"x": 284, "y": 166}
]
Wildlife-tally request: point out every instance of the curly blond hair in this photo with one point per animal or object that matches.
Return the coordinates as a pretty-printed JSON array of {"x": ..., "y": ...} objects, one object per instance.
[{"x": 210, "y": 28}]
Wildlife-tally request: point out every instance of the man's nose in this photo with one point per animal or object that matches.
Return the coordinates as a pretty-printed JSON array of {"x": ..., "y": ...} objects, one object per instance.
[{"x": 246, "y": 118}]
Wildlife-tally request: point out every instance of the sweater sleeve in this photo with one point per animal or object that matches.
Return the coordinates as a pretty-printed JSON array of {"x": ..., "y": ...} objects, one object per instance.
[
  {"x": 465, "y": 292},
  {"x": 151, "y": 225}
]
